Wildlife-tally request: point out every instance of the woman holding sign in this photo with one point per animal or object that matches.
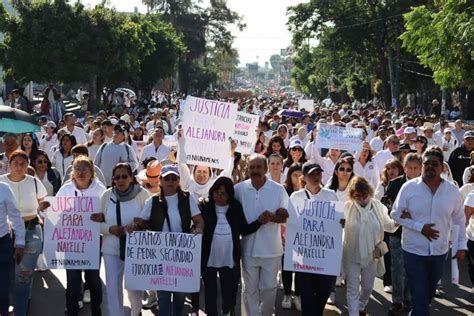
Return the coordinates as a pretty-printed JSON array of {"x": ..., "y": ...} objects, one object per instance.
[
  {"x": 366, "y": 219},
  {"x": 83, "y": 183},
  {"x": 29, "y": 194},
  {"x": 119, "y": 206}
]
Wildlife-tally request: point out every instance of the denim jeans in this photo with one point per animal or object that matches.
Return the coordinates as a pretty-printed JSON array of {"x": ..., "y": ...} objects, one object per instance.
[
  {"x": 423, "y": 273},
  {"x": 400, "y": 291},
  {"x": 24, "y": 271},
  {"x": 314, "y": 290},
  {"x": 168, "y": 308},
  {"x": 6, "y": 252},
  {"x": 74, "y": 291}
]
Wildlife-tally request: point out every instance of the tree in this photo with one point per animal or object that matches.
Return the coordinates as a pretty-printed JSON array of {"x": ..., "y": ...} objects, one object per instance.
[
  {"x": 167, "y": 50},
  {"x": 363, "y": 33},
  {"x": 59, "y": 42},
  {"x": 199, "y": 27},
  {"x": 442, "y": 37}
]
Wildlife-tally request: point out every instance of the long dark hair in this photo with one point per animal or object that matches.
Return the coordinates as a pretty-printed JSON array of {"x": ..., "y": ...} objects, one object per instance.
[
  {"x": 276, "y": 139},
  {"x": 334, "y": 184},
  {"x": 289, "y": 185},
  {"x": 45, "y": 155},
  {"x": 34, "y": 146},
  {"x": 73, "y": 140},
  {"x": 135, "y": 135},
  {"x": 289, "y": 161},
  {"x": 228, "y": 187}
]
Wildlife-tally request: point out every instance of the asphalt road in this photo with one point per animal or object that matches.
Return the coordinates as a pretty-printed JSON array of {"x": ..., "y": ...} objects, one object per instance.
[{"x": 49, "y": 298}]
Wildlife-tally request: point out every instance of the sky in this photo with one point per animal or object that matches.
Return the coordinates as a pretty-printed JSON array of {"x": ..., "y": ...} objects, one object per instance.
[{"x": 266, "y": 32}]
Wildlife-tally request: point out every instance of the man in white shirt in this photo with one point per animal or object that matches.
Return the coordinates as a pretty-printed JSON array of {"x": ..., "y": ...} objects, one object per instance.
[
  {"x": 377, "y": 142},
  {"x": 110, "y": 154},
  {"x": 262, "y": 250},
  {"x": 427, "y": 207},
  {"x": 72, "y": 129},
  {"x": 156, "y": 149},
  {"x": 381, "y": 158}
]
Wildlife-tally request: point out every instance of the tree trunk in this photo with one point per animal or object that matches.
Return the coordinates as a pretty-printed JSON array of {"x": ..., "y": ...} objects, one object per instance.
[
  {"x": 469, "y": 104},
  {"x": 385, "y": 86},
  {"x": 183, "y": 75}
]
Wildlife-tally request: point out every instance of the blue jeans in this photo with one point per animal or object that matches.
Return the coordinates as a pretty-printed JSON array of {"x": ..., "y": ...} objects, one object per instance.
[
  {"x": 168, "y": 308},
  {"x": 401, "y": 292},
  {"x": 423, "y": 273},
  {"x": 6, "y": 252},
  {"x": 24, "y": 271}
]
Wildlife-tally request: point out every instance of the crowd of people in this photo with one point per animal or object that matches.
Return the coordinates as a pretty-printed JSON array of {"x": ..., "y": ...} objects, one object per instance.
[{"x": 409, "y": 183}]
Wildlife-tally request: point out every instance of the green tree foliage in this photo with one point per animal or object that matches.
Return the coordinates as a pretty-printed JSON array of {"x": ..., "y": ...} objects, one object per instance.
[
  {"x": 200, "y": 27},
  {"x": 356, "y": 37},
  {"x": 442, "y": 37},
  {"x": 55, "y": 41}
]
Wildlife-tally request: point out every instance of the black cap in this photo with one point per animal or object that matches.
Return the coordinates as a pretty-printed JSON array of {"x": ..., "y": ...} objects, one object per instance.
[
  {"x": 421, "y": 139},
  {"x": 309, "y": 167}
]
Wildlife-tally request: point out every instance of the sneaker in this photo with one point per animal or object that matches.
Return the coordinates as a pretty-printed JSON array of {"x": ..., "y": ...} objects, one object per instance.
[
  {"x": 297, "y": 302},
  {"x": 150, "y": 302},
  {"x": 286, "y": 302},
  {"x": 87, "y": 297},
  {"x": 332, "y": 298},
  {"x": 387, "y": 289}
]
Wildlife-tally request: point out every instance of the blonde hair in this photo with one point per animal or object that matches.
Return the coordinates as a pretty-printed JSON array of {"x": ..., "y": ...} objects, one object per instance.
[{"x": 82, "y": 159}]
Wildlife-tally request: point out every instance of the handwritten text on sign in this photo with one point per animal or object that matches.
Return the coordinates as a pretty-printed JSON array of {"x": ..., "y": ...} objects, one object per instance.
[
  {"x": 163, "y": 261},
  {"x": 71, "y": 239},
  {"x": 338, "y": 137},
  {"x": 207, "y": 127},
  {"x": 314, "y": 237},
  {"x": 245, "y": 132}
]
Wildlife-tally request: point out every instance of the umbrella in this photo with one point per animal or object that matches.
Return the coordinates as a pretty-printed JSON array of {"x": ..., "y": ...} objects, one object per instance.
[
  {"x": 16, "y": 121},
  {"x": 291, "y": 113}
]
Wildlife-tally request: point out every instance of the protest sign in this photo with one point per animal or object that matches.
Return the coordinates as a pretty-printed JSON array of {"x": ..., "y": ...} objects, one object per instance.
[
  {"x": 339, "y": 137},
  {"x": 245, "y": 132},
  {"x": 314, "y": 237},
  {"x": 308, "y": 105},
  {"x": 207, "y": 127},
  {"x": 163, "y": 261},
  {"x": 71, "y": 239}
]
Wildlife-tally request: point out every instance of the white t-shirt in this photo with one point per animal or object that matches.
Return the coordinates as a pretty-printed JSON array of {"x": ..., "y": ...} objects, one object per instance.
[
  {"x": 26, "y": 194},
  {"x": 470, "y": 226},
  {"x": 48, "y": 185},
  {"x": 173, "y": 212},
  {"x": 221, "y": 254}
]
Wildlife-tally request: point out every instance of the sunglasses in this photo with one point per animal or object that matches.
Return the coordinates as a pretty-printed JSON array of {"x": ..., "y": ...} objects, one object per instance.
[
  {"x": 348, "y": 170},
  {"x": 41, "y": 162},
  {"x": 120, "y": 177}
]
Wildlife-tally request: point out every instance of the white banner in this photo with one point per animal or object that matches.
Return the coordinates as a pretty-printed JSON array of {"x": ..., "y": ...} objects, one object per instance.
[
  {"x": 245, "y": 132},
  {"x": 71, "y": 239},
  {"x": 314, "y": 237},
  {"x": 338, "y": 137},
  {"x": 308, "y": 105},
  {"x": 207, "y": 127},
  {"x": 163, "y": 261}
]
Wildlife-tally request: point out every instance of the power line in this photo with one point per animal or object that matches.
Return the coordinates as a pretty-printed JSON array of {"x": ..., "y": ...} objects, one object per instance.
[
  {"x": 369, "y": 22},
  {"x": 414, "y": 72}
]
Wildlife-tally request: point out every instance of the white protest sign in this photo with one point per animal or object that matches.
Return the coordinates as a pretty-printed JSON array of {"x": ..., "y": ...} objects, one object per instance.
[
  {"x": 338, "y": 137},
  {"x": 163, "y": 261},
  {"x": 314, "y": 237},
  {"x": 71, "y": 239},
  {"x": 308, "y": 105},
  {"x": 245, "y": 132},
  {"x": 207, "y": 127}
]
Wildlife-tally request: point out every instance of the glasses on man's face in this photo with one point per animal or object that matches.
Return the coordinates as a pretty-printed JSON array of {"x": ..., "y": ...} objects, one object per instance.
[
  {"x": 121, "y": 177},
  {"x": 342, "y": 169}
]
